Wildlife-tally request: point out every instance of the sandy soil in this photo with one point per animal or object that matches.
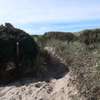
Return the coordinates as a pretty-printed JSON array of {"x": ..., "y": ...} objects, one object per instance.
[{"x": 56, "y": 89}]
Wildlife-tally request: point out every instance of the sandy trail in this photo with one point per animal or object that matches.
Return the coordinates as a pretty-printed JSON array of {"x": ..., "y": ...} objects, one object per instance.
[{"x": 56, "y": 89}]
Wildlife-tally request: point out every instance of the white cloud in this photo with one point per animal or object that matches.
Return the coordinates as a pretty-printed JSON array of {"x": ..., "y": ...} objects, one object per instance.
[
  {"x": 28, "y": 11},
  {"x": 24, "y": 12}
]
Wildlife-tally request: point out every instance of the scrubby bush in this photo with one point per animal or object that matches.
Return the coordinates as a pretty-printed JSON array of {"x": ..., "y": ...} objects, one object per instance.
[
  {"x": 90, "y": 37},
  {"x": 17, "y": 48},
  {"x": 41, "y": 64},
  {"x": 63, "y": 36},
  {"x": 40, "y": 40}
]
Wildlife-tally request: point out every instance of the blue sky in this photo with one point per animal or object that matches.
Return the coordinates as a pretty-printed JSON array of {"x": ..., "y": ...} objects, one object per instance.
[{"x": 39, "y": 16}]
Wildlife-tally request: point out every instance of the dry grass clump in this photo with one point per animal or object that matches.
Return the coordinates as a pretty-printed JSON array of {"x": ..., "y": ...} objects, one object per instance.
[{"x": 84, "y": 65}]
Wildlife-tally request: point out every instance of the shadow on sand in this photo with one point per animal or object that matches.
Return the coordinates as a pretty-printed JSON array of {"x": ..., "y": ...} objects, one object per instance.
[{"x": 55, "y": 70}]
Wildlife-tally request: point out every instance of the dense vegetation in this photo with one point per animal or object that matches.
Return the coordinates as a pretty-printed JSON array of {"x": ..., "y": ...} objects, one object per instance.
[
  {"x": 82, "y": 56},
  {"x": 52, "y": 54},
  {"x": 18, "y": 52}
]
